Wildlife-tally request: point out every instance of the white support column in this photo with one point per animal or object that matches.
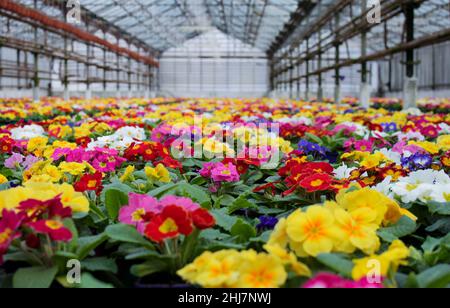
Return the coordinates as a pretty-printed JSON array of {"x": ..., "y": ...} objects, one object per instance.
[
  {"x": 365, "y": 95},
  {"x": 410, "y": 93}
]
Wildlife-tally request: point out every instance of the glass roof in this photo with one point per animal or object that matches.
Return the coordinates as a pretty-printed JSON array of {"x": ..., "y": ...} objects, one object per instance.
[{"x": 163, "y": 24}]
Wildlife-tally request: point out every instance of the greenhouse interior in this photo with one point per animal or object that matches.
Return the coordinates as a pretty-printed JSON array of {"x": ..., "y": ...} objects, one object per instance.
[{"x": 210, "y": 144}]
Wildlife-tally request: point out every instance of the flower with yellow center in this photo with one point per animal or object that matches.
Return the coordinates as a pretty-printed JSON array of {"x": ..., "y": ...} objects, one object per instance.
[
  {"x": 160, "y": 173},
  {"x": 72, "y": 168},
  {"x": 37, "y": 145},
  {"x": 373, "y": 160},
  {"x": 265, "y": 271},
  {"x": 312, "y": 232},
  {"x": 388, "y": 211},
  {"x": 358, "y": 230},
  {"x": 221, "y": 270}
]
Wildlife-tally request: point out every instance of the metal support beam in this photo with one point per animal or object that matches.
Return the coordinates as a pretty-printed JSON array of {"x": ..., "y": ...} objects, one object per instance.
[
  {"x": 410, "y": 90},
  {"x": 365, "y": 87},
  {"x": 337, "y": 73}
]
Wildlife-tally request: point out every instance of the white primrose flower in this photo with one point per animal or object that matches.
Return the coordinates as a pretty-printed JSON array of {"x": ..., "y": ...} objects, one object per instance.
[
  {"x": 27, "y": 132},
  {"x": 391, "y": 155},
  {"x": 343, "y": 172}
]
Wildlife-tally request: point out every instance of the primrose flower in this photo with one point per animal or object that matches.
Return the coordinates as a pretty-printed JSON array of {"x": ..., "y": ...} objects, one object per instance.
[
  {"x": 332, "y": 281},
  {"x": 233, "y": 269},
  {"x": 15, "y": 161},
  {"x": 358, "y": 230},
  {"x": 220, "y": 172},
  {"x": 173, "y": 221},
  {"x": 312, "y": 232},
  {"x": 388, "y": 211},
  {"x": 138, "y": 206},
  {"x": 225, "y": 173},
  {"x": 11, "y": 198},
  {"x": 417, "y": 161},
  {"x": 160, "y": 173},
  {"x": 27, "y": 132}
]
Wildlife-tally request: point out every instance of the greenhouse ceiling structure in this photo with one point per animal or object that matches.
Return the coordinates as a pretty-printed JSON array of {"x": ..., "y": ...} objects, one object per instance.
[{"x": 307, "y": 43}]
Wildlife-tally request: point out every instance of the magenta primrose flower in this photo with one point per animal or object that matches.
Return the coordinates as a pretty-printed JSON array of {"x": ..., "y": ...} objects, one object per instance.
[
  {"x": 332, "y": 281},
  {"x": 138, "y": 207},
  {"x": 225, "y": 173}
]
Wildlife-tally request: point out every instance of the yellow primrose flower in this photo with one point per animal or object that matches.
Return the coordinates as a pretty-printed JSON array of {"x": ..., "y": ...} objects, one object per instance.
[
  {"x": 279, "y": 236},
  {"x": 388, "y": 211},
  {"x": 233, "y": 269},
  {"x": 265, "y": 271},
  {"x": 11, "y": 198},
  {"x": 216, "y": 270},
  {"x": 3, "y": 179},
  {"x": 430, "y": 147},
  {"x": 60, "y": 131},
  {"x": 444, "y": 142},
  {"x": 72, "y": 168},
  {"x": 373, "y": 160},
  {"x": 396, "y": 255},
  {"x": 312, "y": 232},
  {"x": 36, "y": 145},
  {"x": 358, "y": 230},
  {"x": 160, "y": 173},
  {"x": 127, "y": 173},
  {"x": 356, "y": 155}
]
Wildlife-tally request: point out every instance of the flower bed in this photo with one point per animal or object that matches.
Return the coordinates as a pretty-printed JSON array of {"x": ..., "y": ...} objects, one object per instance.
[{"x": 222, "y": 193}]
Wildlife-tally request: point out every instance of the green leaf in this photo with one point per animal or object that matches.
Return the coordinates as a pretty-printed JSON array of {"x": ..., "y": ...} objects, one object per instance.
[
  {"x": 102, "y": 264},
  {"x": 69, "y": 224},
  {"x": 157, "y": 265},
  {"x": 337, "y": 263},
  {"x": 405, "y": 226},
  {"x": 195, "y": 192},
  {"x": 213, "y": 234},
  {"x": 241, "y": 203},
  {"x": 439, "y": 208},
  {"x": 224, "y": 220},
  {"x": 435, "y": 277},
  {"x": 243, "y": 231},
  {"x": 160, "y": 191},
  {"x": 115, "y": 197},
  {"x": 127, "y": 234},
  {"x": 431, "y": 244},
  {"x": 115, "y": 186},
  {"x": 114, "y": 200},
  {"x": 442, "y": 225},
  {"x": 34, "y": 277},
  {"x": 263, "y": 238},
  {"x": 90, "y": 282},
  {"x": 88, "y": 243}
]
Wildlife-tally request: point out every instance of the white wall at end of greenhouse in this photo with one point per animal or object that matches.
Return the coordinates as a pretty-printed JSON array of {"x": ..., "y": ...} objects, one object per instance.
[{"x": 214, "y": 65}]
